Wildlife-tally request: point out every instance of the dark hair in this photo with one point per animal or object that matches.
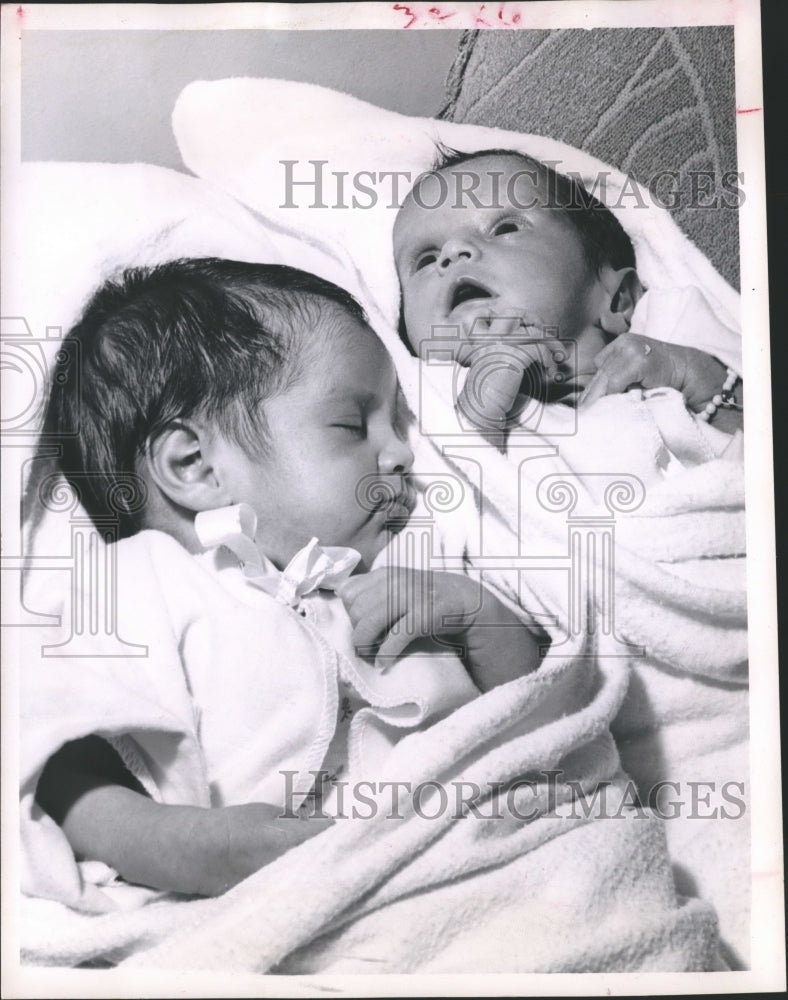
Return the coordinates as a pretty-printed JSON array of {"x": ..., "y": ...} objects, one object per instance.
[
  {"x": 603, "y": 238},
  {"x": 195, "y": 336}
]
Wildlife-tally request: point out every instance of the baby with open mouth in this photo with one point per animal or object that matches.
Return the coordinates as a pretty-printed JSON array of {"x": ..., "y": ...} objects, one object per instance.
[{"x": 534, "y": 280}]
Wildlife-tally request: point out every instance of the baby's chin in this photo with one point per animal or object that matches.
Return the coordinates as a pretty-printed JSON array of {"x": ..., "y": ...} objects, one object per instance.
[{"x": 382, "y": 554}]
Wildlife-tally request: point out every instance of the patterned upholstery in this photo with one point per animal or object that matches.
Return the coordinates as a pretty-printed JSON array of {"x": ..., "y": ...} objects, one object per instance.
[{"x": 644, "y": 100}]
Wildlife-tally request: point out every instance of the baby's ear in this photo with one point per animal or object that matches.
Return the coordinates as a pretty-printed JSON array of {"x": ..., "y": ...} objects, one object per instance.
[
  {"x": 622, "y": 289},
  {"x": 179, "y": 464}
]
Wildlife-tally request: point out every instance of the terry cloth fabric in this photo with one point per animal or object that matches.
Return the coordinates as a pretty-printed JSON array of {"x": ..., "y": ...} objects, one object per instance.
[{"x": 408, "y": 883}]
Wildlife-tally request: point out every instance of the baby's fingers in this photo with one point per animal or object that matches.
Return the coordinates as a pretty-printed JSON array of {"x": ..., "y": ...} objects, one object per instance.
[
  {"x": 598, "y": 387},
  {"x": 491, "y": 387},
  {"x": 394, "y": 645},
  {"x": 621, "y": 365},
  {"x": 348, "y": 590},
  {"x": 363, "y": 593},
  {"x": 371, "y": 628}
]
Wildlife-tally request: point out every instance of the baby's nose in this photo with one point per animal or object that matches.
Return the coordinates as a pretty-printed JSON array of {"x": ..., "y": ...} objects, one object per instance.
[
  {"x": 456, "y": 249},
  {"x": 396, "y": 457}
]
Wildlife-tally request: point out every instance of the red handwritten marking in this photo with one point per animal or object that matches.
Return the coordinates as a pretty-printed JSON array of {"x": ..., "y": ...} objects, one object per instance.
[
  {"x": 515, "y": 16},
  {"x": 434, "y": 13},
  {"x": 746, "y": 111},
  {"x": 479, "y": 17},
  {"x": 407, "y": 11}
]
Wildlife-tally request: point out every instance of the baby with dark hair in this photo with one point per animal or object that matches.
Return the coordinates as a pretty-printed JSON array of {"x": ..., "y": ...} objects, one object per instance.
[
  {"x": 258, "y": 413},
  {"x": 535, "y": 280}
]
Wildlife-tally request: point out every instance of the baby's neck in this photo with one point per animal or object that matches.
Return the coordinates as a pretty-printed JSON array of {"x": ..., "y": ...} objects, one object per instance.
[{"x": 162, "y": 515}]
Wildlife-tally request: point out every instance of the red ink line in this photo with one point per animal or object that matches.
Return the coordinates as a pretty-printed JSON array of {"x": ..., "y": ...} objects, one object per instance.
[
  {"x": 746, "y": 111},
  {"x": 405, "y": 9}
]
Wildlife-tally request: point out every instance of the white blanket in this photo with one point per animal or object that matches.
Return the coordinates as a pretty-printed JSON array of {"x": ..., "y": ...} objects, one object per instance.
[
  {"x": 434, "y": 891},
  {"x": 561, "y": 894}
]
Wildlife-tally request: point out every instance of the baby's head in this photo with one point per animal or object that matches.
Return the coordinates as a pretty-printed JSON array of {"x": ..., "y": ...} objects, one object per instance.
[
  {"x": 217, "y": 383},
  {"x": 499, "y": 234}
]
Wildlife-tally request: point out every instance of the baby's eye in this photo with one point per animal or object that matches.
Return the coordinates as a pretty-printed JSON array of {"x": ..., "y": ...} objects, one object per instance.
[
  {"x": 425, "y": 259},
  {"x": 505, "y": 227},
  {"x": 354, "y": 429}
]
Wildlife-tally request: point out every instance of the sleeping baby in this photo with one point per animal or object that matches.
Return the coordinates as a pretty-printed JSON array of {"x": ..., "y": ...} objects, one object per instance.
[{"x": 255, "y": 406}]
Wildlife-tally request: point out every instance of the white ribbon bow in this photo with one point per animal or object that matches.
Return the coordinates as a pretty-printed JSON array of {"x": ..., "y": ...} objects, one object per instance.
[{"x": 313, "y": 567}]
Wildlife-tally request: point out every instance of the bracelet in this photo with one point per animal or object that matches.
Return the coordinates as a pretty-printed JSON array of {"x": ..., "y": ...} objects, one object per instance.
[{"x": 725, "y": 398}]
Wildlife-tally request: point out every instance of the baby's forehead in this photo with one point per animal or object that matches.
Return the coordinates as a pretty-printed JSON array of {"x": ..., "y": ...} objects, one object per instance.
[
  {"x": 491, "y": 182},
  {"x": 342, "y": 341}
]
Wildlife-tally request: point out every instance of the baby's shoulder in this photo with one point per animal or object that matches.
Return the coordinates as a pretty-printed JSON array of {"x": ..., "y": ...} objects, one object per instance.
[{"x": 153, "y": 566}]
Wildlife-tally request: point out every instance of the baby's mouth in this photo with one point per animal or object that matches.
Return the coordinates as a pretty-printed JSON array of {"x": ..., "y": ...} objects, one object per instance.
[
  {"x": 467, "y": 291},
  {"x": 399, "y": 509}
]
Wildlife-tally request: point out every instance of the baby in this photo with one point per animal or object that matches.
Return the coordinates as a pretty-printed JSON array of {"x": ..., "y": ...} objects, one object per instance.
[
  {"x": 537, "y": 280},
  {"x": 255, "y": 406}
]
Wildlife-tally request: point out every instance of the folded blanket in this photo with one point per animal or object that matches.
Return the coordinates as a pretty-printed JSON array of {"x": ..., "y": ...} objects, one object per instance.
[{"x": 410, "y": 882}]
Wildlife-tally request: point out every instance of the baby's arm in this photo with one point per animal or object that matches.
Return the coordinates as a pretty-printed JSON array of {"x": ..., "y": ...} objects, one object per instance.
[
  {"x": 491, "y": 394},
  {"x": 498, "y": 646},
  {"x": 632, "y": 359},
  {"x": 106, "y": 817}
]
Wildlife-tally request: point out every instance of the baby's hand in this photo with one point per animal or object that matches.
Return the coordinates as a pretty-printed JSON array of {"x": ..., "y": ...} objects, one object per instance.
[
  {"x": 491, "y": 391},
  {"x": 498, "y": 647},
  {"x": 633, "y": 360},
  {"x": 422, "y": 604}
]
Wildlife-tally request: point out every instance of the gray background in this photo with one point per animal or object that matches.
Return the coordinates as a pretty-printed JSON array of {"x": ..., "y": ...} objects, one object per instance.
[{"x": 108, "y": 95}]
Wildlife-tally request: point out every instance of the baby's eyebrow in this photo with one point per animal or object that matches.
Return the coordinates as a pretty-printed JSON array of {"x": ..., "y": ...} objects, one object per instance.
[
  {"x": 404, "y": 252},
  {"x": 349, "y": 393},
  {"x": 410, "y": 245}
]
